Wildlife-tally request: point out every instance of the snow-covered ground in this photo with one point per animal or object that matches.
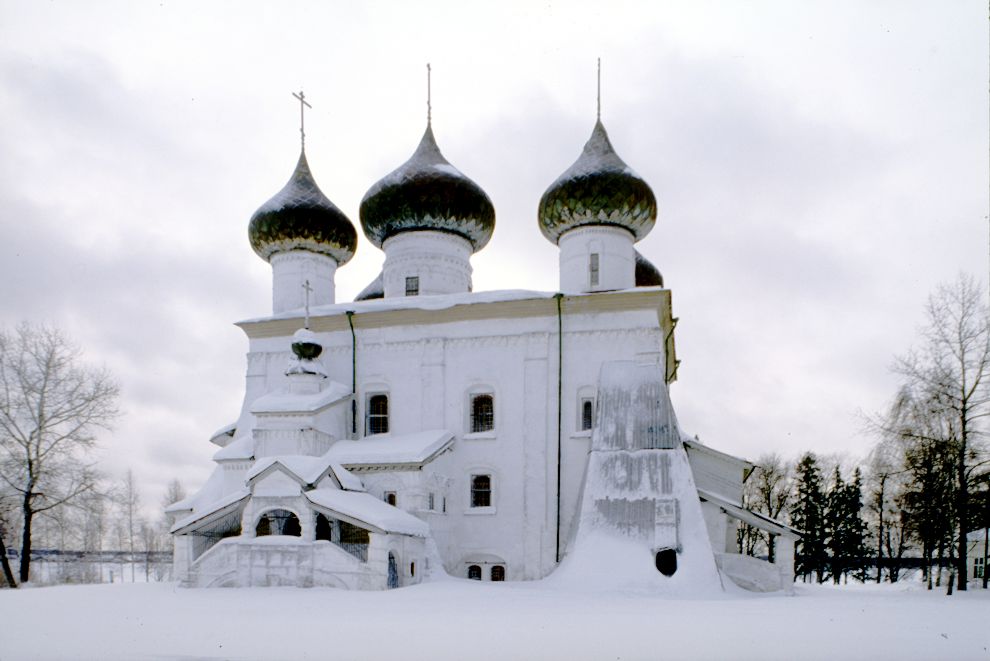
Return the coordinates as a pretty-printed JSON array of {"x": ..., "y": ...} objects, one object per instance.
[{"x": 460, "y": 619}]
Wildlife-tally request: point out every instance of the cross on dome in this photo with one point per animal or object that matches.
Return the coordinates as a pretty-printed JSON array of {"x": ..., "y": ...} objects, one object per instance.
[{"x": 303, "y": 104}]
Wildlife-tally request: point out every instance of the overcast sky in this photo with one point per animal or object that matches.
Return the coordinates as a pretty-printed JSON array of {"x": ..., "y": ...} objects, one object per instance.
[{"x": 820, "y": 167}]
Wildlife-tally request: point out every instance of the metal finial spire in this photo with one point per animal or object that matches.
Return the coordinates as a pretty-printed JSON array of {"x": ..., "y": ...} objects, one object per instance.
[
  {"x": 303, "y": 104},
  {"x": 429, "y": 104},
  {"x": 599, "y": 89},
  {"x": 307, "y": 288}
]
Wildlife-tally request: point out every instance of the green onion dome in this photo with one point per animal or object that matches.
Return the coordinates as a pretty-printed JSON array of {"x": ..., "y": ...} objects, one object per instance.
[
  {"x": 599, "y": 189},
  {"x": 300, "y": 217},
  {"x": 427, "y": 193},
  {"x": 647, "y": 274}
]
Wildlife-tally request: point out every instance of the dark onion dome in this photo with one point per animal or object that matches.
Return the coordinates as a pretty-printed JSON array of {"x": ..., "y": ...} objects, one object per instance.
[
  {"x": 647, "y": 275},
  {"x": 599, "y": 189},
  {"x": 375, "y": 289},
  {"x": 427, "y": 193},
  {"x": 300, "y": 217},
  {"x": 305, "y": 345}
]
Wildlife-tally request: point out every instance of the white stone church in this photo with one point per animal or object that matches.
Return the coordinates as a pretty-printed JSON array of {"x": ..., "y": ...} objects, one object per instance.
[{"x": 425, "y": 428}]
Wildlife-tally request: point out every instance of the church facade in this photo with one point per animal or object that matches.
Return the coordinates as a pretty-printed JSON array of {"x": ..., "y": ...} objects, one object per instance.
[{"x": 427, "y": 428}]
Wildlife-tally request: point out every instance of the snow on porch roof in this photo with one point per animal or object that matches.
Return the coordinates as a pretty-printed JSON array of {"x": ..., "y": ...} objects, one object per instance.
[
  {"x": 285, "y": 402},
  {"x": 385, "y": 449},
  {"x": 307, "y": 470},
  {"x": 755, "y": 519},
  {"x": 214, "y": 511},
  {"x": 366, "y": 510}
]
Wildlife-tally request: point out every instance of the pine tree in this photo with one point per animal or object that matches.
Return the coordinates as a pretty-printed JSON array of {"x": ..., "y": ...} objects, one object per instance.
[
  {"x": 835, "y": 516},
  {"x": 807, "y": 515}
]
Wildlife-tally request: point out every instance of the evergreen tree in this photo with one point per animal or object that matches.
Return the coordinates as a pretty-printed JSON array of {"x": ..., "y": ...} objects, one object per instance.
[
  {"x": 835, "y": 525},
  {"x": 807, "y": 515}
]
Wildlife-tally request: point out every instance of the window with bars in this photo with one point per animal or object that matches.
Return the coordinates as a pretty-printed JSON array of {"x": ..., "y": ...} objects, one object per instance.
[
  {"x": 481, "y": 491},
  {"x": 412, "y": 285},
  {"x": 377, "y": 416},
  {"x": 482, "y": 413},
  {"x": 474, "y": 572},
  {"x": 593, "y": 269},
  {"x": 587, "y": 414},
  {"x": 498, "y": 573}
]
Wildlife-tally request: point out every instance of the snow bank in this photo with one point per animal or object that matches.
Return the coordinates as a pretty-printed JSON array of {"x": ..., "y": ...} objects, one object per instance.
[{"x": 460, "y": 619}]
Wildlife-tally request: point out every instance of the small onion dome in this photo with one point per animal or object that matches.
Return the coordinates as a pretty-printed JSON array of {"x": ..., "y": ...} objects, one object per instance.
[
  {"x": 375, "y": 289},
  {"x": 427, "y": 193},
  {"x": 305, "y": 345},
  {"x": 599, "y": 189},
  {"x": 300, "y": 217},
  {"x": 647, "y": 275}
]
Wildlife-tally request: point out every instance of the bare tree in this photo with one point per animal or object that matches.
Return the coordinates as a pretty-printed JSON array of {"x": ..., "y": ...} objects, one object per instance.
[
  {"x": 128, "y": 502},
  {"x": 950, "y": 368},
  {"x": 51, "y": 408},
  {"x": 6, "y": 512}
]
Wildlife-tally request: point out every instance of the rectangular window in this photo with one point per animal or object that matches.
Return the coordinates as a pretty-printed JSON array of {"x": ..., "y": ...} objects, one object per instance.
[
  {"x": 377, "y": 416},
  {"x": 430, "y": 502},
  {"x": 412, "y": 285},
  {"x": 482, "y": 413},
  {"x": 481, "y": 491},
  {"x": 593, "y": 269}
]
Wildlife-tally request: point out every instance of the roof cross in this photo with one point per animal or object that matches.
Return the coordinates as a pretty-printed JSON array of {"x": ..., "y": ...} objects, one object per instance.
[
  {"x": 303, "y": 104},
  {"x": 308, "y": 289},
  {"x": 599, "y": 89}
]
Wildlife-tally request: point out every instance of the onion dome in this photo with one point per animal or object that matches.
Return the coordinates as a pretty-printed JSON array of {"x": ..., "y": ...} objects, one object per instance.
[
  {"x": 300, "y": 217},
  {"x": 427, "y": 193},
  {"x": 305, "y": 345},
  {"x": 647, "y": 275},
  {"x": 375, "y": 289},
  {"x": 599, "y": 189}
]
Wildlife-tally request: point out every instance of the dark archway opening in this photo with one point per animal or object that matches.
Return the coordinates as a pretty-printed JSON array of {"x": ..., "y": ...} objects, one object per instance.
[{"x": 667, "y": 561}]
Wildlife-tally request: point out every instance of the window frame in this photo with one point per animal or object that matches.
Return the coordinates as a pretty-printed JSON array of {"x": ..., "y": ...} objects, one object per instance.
[
  {"x": 370, "y": 415},
  {"x": 594, "y": 269},
  {"x": 476, "y": 493},
  {"x": 412, "y": 285},
  {"x": 478, "y": 424}
]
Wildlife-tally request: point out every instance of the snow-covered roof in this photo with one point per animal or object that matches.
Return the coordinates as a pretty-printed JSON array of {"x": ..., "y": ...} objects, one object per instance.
[
  {"x": 211, "y": 490},
  {"x": 434, "y": 302},
  {"x": 241, "y": 448},
  {"x": 696, "y": 445},
  {"x": 223, "y": 435},
  {"x": 286, "y": 402},
  {"x": 366, "y": 510},
  {"x": 215, "y": 510},
  {"x": 306, "y": 470},
  {"x": 755, "y": 519},
  {"x": 387, "y": 449}
]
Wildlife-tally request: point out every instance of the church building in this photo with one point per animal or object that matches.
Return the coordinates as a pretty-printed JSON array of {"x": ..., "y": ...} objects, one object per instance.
[{"x": 425, "y": 428}]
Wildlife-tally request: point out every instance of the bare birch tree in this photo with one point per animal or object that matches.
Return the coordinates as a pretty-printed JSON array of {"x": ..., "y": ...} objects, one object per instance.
[
  {"x": 51, "y": 409},
  {"x": 951, "y": 367}
]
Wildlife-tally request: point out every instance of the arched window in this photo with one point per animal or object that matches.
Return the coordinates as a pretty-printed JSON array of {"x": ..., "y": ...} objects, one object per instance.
[
  {"x": 324, "y": 528},
  {"x": 474, "y": 572},
  {"x": 278, "y": 522},
  {"x": 377, "y": 414},
  {"x": 482, "y": 413},
  {"x": 667, "y": 562},
  {"x": 390, "y": 498},
  {"x": 481, "y": 491},
  {"x": 587, "y": 414},
  {"x": 498, "y": 573},
  {"x": 393, "y": 571}
]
